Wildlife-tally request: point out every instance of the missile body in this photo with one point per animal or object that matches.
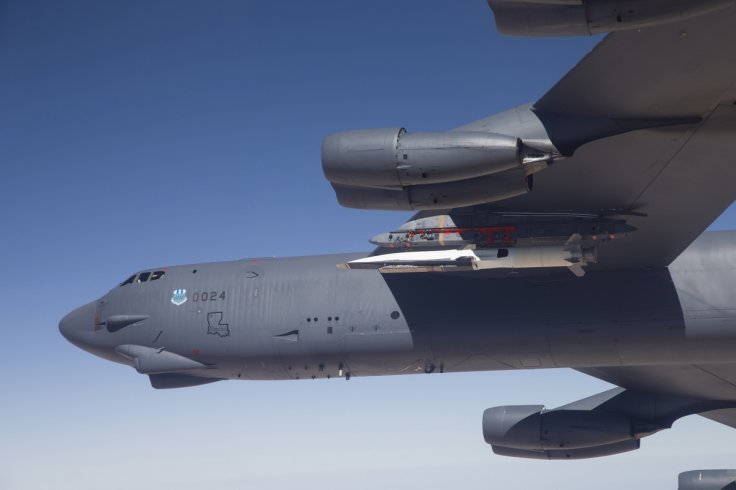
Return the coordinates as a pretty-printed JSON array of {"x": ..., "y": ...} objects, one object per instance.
[
  {"x": 572, "y": 255},
  {"x": 501, "y": 231}
]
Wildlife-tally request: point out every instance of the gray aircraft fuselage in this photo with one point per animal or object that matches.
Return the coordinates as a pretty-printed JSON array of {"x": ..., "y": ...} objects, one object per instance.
[{"x": 303, "y": 318}]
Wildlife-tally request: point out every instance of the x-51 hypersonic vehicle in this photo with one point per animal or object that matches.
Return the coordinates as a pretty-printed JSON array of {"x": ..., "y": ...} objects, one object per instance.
[{"x": 563, "y": 233}]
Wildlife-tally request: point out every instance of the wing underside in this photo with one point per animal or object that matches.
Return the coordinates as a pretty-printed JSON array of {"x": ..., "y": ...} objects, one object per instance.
[
  {"x": 639, "y": 137},
  {"x": 668, "y": 182},
  {"x": 707, "y": 382},
  {"x": 677, "y": 180}
]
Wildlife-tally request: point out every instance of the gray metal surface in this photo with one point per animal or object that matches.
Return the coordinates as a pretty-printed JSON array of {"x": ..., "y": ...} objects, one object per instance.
[
  {"x": 664, "y": 330},
  {"x": 707, "y": 480},
  {"x": 584, "y": 17},
  {"x": 399, "y": 323},
  {"x": 678, "y": 177}
]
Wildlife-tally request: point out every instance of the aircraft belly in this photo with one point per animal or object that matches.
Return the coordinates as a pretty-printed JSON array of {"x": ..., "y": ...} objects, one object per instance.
[{"x": 554, "y": 320}]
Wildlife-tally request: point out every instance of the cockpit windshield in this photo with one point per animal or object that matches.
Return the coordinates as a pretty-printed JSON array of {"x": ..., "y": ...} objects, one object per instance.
[{"x": 143, "y": 277}]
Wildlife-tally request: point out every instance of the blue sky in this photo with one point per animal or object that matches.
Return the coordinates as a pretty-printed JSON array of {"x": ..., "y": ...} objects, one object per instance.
[{"x": 136, "y": 134}]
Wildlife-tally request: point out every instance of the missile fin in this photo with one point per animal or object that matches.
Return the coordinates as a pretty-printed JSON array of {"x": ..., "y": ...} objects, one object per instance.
[{"x": 577, "y": 269}]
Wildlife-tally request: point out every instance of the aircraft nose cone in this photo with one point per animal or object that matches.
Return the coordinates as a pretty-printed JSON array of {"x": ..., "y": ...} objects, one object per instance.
[{"x": 79, "y": 323}]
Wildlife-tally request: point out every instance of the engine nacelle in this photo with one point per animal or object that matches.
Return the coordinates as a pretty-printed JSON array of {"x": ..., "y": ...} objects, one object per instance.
[
  {"x": 707, "y": 480},
  {"x": 581, "y": 453},
  {"x": 528, "y": 428},
  {"x": 393, "y": 158},
  {"x": 490, "y": 188},
  {"x": 577, "y": 17},
  {"x": 394, "y": 170}
]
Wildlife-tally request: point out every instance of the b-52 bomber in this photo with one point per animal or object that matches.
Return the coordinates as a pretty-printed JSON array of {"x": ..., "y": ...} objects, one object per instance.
[{"x": 568, "y": 232}]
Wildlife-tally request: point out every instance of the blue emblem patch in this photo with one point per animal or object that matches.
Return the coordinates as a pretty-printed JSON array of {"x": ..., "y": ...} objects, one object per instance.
[{"x": 179, "y": 297}]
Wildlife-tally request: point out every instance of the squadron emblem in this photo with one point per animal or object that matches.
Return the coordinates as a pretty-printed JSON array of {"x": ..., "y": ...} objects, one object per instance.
[{"x": 179, "y": 297}]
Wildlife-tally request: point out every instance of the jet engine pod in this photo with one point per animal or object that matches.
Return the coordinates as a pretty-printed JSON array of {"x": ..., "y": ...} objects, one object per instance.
[
  {"x": 530, "y": 428},
  {"x": 581, "y": 453},
  {"x": 393, "y": 158},
  {"x": 469, "y": 192},
  {"x": 707, "y": 480}
]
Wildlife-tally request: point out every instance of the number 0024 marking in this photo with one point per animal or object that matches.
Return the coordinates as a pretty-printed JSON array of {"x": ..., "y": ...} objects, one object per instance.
[{"x": 209, "y": 296}]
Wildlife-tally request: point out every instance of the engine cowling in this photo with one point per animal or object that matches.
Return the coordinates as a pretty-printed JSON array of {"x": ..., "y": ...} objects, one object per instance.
[
  {"x": 436, "y": 196},
  {"x": 580, "y": 453},
  {"x": 707, "y": 480},
  {"x": 566, "y": 433},
  {"x": 395, "y": 170},
  {"x": 391, "y": 157}
]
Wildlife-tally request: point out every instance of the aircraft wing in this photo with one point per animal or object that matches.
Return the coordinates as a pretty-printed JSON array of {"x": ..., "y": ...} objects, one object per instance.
[
  {"x": 696, "y": 381},
  {"x": 645, "y": 123},
  {"x": 682, "y": 177}
]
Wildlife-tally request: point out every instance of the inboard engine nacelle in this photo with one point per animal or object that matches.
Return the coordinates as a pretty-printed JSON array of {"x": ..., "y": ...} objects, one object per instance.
[
  {"x": 528, "y": 431},
  {"x": 389, "y": 168},
  {"x": 707, "y": 480}
]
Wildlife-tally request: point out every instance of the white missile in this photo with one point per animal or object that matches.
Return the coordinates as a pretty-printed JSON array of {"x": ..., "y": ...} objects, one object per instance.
[{"x": 572, "y": 255}]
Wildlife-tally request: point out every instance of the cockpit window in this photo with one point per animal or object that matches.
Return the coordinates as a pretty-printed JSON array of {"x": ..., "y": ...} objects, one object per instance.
[
  {"x": 128, "y": 280},
  {"x": 143, "y": 277}
]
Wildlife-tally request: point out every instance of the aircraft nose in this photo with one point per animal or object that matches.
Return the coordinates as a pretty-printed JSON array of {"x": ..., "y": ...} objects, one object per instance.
[{"x": 78, "y": 324}]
